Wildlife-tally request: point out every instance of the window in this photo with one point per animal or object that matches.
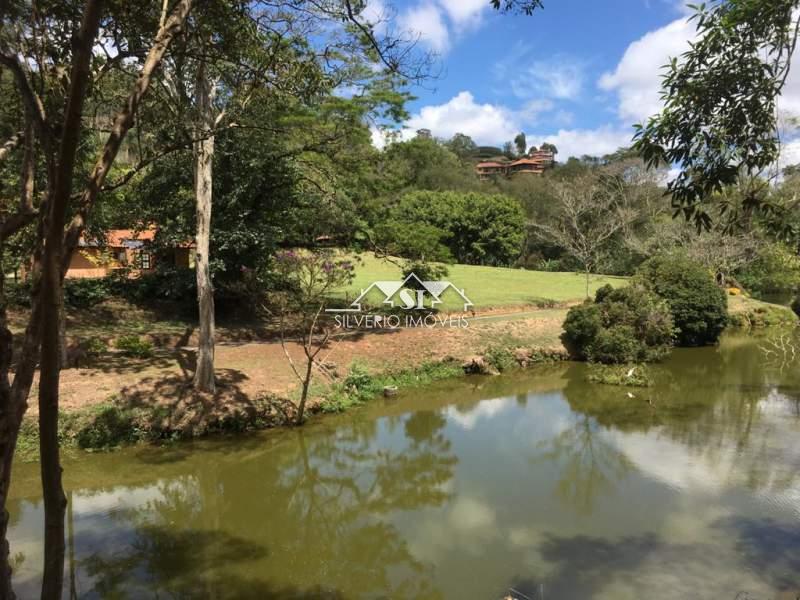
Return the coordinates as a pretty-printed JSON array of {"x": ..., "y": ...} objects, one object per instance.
[{"x": 143, "y": 260}]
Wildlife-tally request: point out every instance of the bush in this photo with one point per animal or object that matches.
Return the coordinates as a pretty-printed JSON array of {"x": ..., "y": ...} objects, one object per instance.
[
  {"x": 698, "y": 305},
  {"x": 425, "y": 271},
  {"x": 19, "y": 294},
  {"x": 132, "y": 345},
  {"x": 85, "y": 293},
  {"x": 626, "y": 325},
  {"x": 167, "y": 283},
  {"x": 501, "y": 358},
  {"x": 105, "y": 427},
  {"x": 775, "y": 270},
  {"x": 95, "y": 347},
  {"x": 637, "y": 376}
]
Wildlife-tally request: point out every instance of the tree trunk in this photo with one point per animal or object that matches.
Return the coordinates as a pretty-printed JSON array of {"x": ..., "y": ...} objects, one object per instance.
[
  {"x": 301, "y": 409},
  {"x": 203, "y": 180},
  {"x": 51, "y": 294},
  {"x": 45, "y": 295},
  {"x": 55, "y": 502},
  {"x": 587, "y": 283}
]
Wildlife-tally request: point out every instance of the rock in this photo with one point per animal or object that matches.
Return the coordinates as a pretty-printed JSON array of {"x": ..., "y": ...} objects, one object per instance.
[
  {"x": 477, "y": 365},
  {"x": 522, "y": 356},
  {"x": 390, "y": 390}
]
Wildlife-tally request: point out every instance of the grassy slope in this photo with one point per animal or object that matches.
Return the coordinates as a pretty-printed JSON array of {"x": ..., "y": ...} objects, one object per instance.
[{"x": 492, "y": 286}]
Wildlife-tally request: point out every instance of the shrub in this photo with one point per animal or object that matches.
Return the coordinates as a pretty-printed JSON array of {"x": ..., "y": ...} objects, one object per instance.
[
  {"x": 105, "y": 426},
  {"x": 636, "y": 376},
  {"x": 19, "y": 293},
  {"x": 95, "y": 347},
  {"x": 775, "y": 270},
  {"x": 623, "y": 325},
  {"x": 425, "y": 271},
  {"x": 85, "y": 293},
  {"x": 132, "y": 345},
  {"x": 501, "y": 358},
  {"x": 166, "y": 283},
  {"x": 698, "y": 305}
]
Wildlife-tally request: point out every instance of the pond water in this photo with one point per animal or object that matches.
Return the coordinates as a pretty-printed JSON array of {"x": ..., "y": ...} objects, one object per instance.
[{"x": 540, "y": 482}]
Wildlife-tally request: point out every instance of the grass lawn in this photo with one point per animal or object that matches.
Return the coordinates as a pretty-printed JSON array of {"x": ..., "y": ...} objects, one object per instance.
[{"x": 492, "y": 286}]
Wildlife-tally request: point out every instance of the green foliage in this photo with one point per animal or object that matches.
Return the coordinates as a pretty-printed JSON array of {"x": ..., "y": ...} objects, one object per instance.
[
  {"x": 85, "y": 293},
  {"x": 170, "y": 284},
  {"x": 360, "y": 386},
  {"x": 425, "y": 271},
  {"x": 95, "y": 347},
  {"x": 698, "y": 305},
  {"x": 625, "y": 375},
  {"x": 134, "y": 346},
  {"x": 476, "y": 229},
  {"x": 78, "y": 293},
  {"x": 796, "y": 305},
  {"x": 102, "y": 426},
  {"x": 776, "y": 269},
  {"x": 501, "y": 358},
  {"x": 753, "y": 314},
  {"x": 716, "y": 126},
  {"x": 18, "y": 294},
  {"x": 626, "y": 325},
  {"x": 308, "y": 278}
]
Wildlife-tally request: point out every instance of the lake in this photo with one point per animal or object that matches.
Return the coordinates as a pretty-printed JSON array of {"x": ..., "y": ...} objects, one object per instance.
[{"x": 538, "y": 482}]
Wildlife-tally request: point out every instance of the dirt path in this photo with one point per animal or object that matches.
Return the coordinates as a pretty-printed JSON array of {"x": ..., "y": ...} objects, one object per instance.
[{"x": 248, "y": 369}]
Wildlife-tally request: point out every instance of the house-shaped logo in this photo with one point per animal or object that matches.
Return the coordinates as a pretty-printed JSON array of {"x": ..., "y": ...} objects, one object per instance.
[{"x": 412, "y": 293}]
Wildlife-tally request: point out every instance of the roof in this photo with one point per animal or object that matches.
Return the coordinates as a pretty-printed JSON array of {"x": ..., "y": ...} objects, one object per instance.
[
  {"x": 120, "y": 238},
  {"x": 490, "y": 164}
]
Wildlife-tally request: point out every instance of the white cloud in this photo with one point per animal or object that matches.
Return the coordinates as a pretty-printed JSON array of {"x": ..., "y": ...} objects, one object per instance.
[
  {"x": 493, "y": 124},
  {"x": 637, "y": 78},
  {"x": 558, "y": 77},
  {"x": 594, "y": 142},
  {"x": 486, "y": 409},
  {"x": 484, "y": 123},
  {"x": 464, "y": 12},
  {"x": 426, "y": 21},
  {"x": 375, "y": 14}
]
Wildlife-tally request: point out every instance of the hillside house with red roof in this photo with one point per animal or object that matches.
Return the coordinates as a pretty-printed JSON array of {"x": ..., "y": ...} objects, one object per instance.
[{"x": 535, "y": 163}]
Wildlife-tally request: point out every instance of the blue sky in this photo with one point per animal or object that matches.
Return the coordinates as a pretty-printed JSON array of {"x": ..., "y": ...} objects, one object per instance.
[{"x": 577, "y": 74}]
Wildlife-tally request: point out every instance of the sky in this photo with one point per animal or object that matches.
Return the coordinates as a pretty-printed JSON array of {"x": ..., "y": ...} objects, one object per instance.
[{"x": 577, "y": 74}]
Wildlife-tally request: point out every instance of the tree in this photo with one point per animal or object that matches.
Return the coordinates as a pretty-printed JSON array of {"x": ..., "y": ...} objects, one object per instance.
[
  {"x": 546, "y": 147},
  {"x": 719, "y": 122},
  {"x": 474, "y": 228},
  {"x": 590, "y": 210},
  {"x": 31, "y": 51},
  {"x": 521, "y": 144},
  {"x": 462, "y": 146},
  {"x": 310, "y": 277}
]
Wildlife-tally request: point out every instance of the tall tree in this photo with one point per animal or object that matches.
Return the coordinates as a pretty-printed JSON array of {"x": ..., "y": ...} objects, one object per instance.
[
  {"x": 589, "y": 211},
  {"x": 32, "y": 50},
  {"x": 521, "y": 144},
  {"x": 719, "y": 122},
  {"x": 203, "y": 190}
]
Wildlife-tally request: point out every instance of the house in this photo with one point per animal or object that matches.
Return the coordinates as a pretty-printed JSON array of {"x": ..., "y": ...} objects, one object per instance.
[
  {"x": 128, "y": 249},
  {"x": 535, "y": 163}
]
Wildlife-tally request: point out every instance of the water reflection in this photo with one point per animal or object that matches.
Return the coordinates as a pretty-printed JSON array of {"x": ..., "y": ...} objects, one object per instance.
[
  {"x": 590, "y": 466},
  {"x": 542, "y": 482}
]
